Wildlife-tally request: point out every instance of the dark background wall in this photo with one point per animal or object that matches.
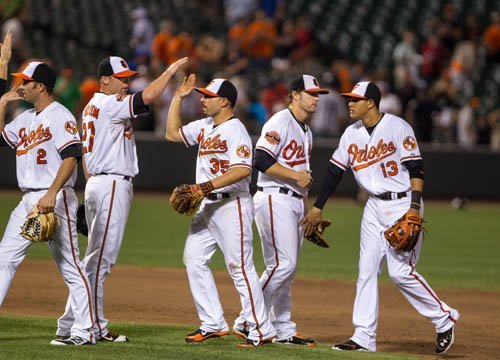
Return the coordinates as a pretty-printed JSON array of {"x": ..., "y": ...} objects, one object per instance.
[{"x": 450, "y": 172}]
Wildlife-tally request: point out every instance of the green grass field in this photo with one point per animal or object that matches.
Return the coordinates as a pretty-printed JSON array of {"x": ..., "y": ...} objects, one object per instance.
[{"x": 460, "y": 251}]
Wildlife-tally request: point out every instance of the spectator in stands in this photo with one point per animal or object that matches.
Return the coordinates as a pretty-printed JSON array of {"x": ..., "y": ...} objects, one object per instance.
[
  {"x": 235, "y": 10},
  {"x": 432, "y": 56},
  {"x": 466, "y": 127},
  {"x": 260, "y": 40},
  {"x": 420, "y": 112},
  {"x": 491, "y": 38},
  {"x": 304, "y": 40},
  {"x": 143, "y": 30},
  {"x": 15, "y": 24},
  {"x": 389, "y": 102},
  {"x": 182, "y": 45},
  {"x": 67, "y": 91},
  {"x": 405, "y": 59},
  {"x": 160, "y": 55},
  {"x": 88, "y": 87},
  {"x": 331, "y": 112}
]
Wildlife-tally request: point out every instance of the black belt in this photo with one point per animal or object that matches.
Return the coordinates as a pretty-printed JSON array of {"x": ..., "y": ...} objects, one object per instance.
[
  {"x": 128, "y": 178},
  {"x": 284, "y": 190},
  {"x": 217, "y": 196},
  {"x": 391, "y": 196},
  {"x": 34, "y": 190}
]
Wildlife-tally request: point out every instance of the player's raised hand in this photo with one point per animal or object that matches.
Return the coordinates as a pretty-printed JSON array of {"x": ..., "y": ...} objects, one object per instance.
[
  {"x": 187, "y": 86},
  {"x": 176, "y": 65},
  {"x": 304, "y": 179},
  {"x": 14, "y": 94},
  {"x": 6, "y": 49}
]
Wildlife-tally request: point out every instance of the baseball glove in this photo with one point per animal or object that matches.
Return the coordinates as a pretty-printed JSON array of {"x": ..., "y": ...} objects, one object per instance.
[
  {"x": 405, "y": 232},
  {"x": 39, "y": 227},
  {"x": 186, "y": 199},
  {"x": 317, "y": 236},
  {"x": 81, "y": 221}
]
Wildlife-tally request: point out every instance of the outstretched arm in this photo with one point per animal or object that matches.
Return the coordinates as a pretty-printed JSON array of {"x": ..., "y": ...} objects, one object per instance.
[
  {"x": 4, "y": 100},
  {"x": 174, "y": 119},
  {"x": 156, "y": 88},
  {"x": 5, "y": 54}
]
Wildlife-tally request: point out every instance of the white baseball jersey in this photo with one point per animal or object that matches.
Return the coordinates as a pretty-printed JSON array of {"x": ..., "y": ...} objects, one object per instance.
[
  {"x": 376, "y": 159},
  {"x": 38, "y": 139},
  {"x": 290, "y": 144},
  {"x": 107, "y": 118},
  {"x": 221, "y": 148}
]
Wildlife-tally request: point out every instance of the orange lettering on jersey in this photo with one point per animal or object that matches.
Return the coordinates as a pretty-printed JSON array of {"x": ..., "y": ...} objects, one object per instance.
[
  {"x": 368, "y": 156},
  {"x": 212, "y": 145},
  {"x": 294, "y": 150},
  {"x": 91, "y": 110},
  {"x": 33, "y": 139}
]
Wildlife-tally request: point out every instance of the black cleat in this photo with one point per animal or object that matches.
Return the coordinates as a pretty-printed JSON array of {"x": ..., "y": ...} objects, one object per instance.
[
  {"x": 349, "y": 345},
  {"x": 444, "y": 340}
]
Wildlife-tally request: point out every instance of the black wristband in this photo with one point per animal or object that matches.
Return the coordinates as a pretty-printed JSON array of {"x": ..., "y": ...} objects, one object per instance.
[{"x": 416, "y": 197}]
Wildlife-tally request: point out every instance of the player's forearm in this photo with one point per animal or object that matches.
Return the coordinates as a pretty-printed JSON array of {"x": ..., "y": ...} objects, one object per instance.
[
  {"x": 174, "y": 120},
  {"x": 3, "y": 109},
  {"x": 84, "y": 167},
  {"x": 3, "y": 69},
  {"x": 63, "y": 174},
  {"x": 230, "y": 177},
  {"x": 156, "y": 88},
  {"x": 283, "y": 172}
]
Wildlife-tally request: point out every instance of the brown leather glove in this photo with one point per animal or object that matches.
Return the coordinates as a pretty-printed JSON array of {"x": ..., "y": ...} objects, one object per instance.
[{"x": 405, "y": 232}]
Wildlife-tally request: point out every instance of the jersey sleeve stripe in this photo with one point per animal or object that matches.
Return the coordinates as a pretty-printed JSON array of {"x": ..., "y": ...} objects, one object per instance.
[
  {"x": 184, "y": 139},
  {"x": 131, "y": 106},
  {"x": 11, "y": 144},
  {"x": 412, "y": 157},
  {"x": 241, "y": 165},
  {"x": 67, "y": 144},
  {"x": 266, "y": 150},
  {"x": 340, "y": 165}
]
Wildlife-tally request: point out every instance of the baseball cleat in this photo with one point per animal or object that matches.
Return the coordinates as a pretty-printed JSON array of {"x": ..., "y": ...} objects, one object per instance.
[
  {"x": 202, "y": 335},
  {"x": 297, "y": 340},
  {"x": 349, "y": 345},
  {"x": 73, "y": 340},
  {"x": 112, "y": 337},
  {"x": 444, "y": 340},
  {"x": 256, "y": 343},
  {"x": 241, "y": 333}
]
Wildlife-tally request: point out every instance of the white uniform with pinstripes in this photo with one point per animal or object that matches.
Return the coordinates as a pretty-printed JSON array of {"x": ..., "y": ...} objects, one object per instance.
[
  {"x": 278, "y": 215},
  {"x": 376, "y": 161},
  {"x": 111, "y": 160},
  {"x": 224, "y": 223},
  {"x": 38, "y": 140}
]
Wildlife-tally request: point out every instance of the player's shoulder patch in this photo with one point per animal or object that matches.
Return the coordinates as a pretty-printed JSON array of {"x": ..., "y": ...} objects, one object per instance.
[
  {"x": 243, "y": 151},
  {"x": 272, "y": 137},
  {"x": 70, "y": 126},
  {"x": 409, "y": 143}
]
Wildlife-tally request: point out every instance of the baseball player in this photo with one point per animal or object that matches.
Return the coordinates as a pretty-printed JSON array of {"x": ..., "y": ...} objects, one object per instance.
[
  {"x": 282, "y": 157},
  {"x": 224, "y": 220},
  {"x": 47, "y": 146},
  {"x": 383, "y": 154},
  {"x": 110, "y": 163}
]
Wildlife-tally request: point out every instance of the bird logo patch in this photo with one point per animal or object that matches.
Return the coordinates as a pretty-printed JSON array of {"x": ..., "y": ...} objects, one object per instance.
[
  {"x": 409, "y": 143},
  {"x": 243, "y": 151},
  {"x": 273, "y": 137},
  {"x": 70, "y": 127}
]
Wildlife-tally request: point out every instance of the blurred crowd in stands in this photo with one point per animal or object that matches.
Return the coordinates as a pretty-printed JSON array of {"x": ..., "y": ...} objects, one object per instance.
[{"x": 430, "y": 82}]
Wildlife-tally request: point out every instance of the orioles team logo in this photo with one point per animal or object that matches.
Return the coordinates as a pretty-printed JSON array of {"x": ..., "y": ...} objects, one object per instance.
[
  {"x": 272, "y": 137},
  {"x": 367, "y": 156},
  {"x": 31, "y": 139},
  {"x": 243, "y": 151},
  {"x": 70, "y": 126},
  {"x": 409, "y": 143}
]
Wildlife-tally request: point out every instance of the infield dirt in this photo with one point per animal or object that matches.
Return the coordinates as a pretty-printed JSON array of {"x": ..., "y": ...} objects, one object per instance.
[{"x": 321, "y": 308}]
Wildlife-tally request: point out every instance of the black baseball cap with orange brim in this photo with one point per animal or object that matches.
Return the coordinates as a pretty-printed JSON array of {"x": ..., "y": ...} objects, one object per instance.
[
  {"x": 38, "y": 71},
  {"x": 308, "y": 84},
  {"x": 364, "y": 90},
  {"x": 220, "y": 88},
  {"x": 114, "y": 66}
]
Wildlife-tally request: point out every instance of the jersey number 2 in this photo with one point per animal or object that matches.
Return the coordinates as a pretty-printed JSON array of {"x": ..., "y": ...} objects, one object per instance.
[
  {"x": 219, "y": 165},
  {"x": 390, "y": 168},
  {"x": 90, "y": 129},
  {"x": 40, "y": 157}
]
